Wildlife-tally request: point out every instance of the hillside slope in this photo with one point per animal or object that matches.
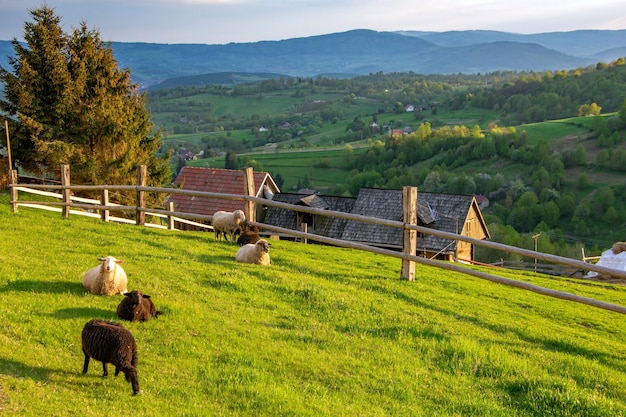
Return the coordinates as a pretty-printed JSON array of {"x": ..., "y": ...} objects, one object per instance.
[{"x": 322, "y": 332}]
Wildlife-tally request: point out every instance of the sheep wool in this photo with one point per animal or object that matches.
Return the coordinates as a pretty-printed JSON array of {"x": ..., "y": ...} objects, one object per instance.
[
  {"x": 137, "y": 306},
  {"x": 257, "y": 253},
  {"x": 248, "y": 236},
  {"x": 110, "y": 342},
  {"x": 106, "y": 279},
  {"x": 227, "y": 223}
]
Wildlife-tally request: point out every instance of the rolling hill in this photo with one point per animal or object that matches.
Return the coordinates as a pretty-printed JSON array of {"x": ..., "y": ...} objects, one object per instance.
[{"x": 364, "y": 51}]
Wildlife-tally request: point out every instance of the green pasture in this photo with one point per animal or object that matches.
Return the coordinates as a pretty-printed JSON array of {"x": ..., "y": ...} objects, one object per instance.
[
  {"x": 552, "y": 130},
  {"x": 323, "y": 168},
  {"x": 323, "y": 331}
]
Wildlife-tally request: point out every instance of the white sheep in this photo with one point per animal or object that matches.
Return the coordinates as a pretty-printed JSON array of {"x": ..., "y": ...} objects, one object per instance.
[
  {"x": 257, "y": 253},
  {"x": 106, "y": 279},
  {"x": 227, "y": 223}
]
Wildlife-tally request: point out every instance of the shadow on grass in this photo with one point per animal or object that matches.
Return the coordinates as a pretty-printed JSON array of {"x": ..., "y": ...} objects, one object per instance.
[
  {"x": 44, "y": 287},
  {"x": 216, "y": 259},
  {"x": 36, "y": 373},
  {"x": 87, "y": 313}
]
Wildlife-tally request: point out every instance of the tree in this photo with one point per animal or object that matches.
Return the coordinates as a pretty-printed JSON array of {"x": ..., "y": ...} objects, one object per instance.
[
  {"x": 589, "y": 109},
  {"x": 69, "y": 103},
  {"x": 231, "y": 161}
]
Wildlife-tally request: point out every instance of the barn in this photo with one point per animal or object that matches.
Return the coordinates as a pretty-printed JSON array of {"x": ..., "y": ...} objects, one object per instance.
[{"x": 453, "y": 213}]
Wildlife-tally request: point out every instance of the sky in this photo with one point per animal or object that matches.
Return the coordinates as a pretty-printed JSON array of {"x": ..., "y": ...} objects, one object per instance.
[{"x": 239, "y": 21}]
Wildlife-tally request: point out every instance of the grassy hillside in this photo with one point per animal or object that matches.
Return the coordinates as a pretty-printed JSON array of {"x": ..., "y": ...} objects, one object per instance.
[{"x": 322, "y": 332}]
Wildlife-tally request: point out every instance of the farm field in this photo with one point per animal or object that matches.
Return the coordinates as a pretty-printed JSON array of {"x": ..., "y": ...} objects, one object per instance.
[
  {"x": 323, "y": 167},
  {"x": 323, "y": 331}
]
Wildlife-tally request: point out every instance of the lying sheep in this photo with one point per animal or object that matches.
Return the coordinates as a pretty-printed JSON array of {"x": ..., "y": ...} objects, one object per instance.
[
  {"x": 137, "y": 306},
  {"x": 110, "y": 342},
  {"x": 257, "y": 253},
  {"x": 107, "y": 279},
  {"x": 227, "y": 223}
]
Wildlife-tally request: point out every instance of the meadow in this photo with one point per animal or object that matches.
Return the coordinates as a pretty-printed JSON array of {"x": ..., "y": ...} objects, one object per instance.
[{"x": 323, "y": 331}]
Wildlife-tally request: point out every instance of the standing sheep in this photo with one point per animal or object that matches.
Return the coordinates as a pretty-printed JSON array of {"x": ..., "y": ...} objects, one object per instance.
[
  {"x": 137, "y": 306},
  {"x": 257, "y": 253},
  {"x": 107, "y": 279},
  {"x": 227, "y": 223},
  {"x": 110, "y": 342}
]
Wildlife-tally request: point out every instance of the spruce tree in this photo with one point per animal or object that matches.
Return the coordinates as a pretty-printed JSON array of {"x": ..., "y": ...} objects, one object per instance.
[{"x": 68, "y": 103}]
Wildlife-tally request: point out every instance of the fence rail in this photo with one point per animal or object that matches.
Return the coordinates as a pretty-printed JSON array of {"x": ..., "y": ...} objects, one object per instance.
[{"x": 104, "y": 207}]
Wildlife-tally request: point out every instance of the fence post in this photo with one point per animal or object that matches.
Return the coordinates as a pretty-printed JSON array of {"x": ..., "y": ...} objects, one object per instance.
[
  {"x": 170, "y": 218},
  {"x": 105, "y": 202},
  {"x": 142, "y": 173},
  {"x": 305, "y": 229},
  {"x": 409, "y": 247},
  {"x": 65, "y": 182},
  {"x": 14, "y": 193},
  {"x": 249, "y": 190}
]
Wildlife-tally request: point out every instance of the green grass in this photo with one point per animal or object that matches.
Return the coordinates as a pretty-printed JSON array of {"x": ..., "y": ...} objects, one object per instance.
[
  {"x": 555, "y": 129},
  {"x": 322, "y": 332},
  {"x": 323, "y": 167}
]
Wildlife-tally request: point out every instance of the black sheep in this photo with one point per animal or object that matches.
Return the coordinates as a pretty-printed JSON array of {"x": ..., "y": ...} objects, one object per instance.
[
  {"x": 110, "y": 342},
  {"x": 137, "y": 306}
]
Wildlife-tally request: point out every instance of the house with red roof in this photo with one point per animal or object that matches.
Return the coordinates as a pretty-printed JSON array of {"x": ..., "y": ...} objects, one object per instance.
[{"x": 223, "y": 181}]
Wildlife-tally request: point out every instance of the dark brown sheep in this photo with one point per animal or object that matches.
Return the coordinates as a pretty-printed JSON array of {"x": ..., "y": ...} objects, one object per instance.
[
  {"x": 137, "y": 306},
  {"x": 248, "y": 236},
  {"x": 110, "y": 342}
]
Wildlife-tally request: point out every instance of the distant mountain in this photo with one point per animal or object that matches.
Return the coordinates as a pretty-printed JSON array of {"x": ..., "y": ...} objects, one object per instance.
[
  {"x": 359, "y": 52},
  {"x": 580, "y": 43}
]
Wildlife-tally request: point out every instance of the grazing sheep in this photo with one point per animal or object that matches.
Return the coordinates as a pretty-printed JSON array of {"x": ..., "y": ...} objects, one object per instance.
[
  {"x": 248, "y": 236},
  {"x": 110, "y": 342},
  {"x": 257, "y": 253},
  {"x": 227, "y": 223},
  {"x": 137, "y": 306},
  {"x": 107, "y": 279}
]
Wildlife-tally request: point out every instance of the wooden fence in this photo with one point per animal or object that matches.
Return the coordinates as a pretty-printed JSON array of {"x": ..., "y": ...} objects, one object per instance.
[{"x": 102, "y": 208}]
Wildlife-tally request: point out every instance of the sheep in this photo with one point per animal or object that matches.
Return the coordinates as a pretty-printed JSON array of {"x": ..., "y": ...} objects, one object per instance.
[
  {"x": 107, "y": 279},
  {"x": 110, "y": 342},
  {"x": 257, "y": 253},
  {"x": 248, "y": 236},
  {"x": 227, "y": 223},
  {"x": 137, "y": 306}
]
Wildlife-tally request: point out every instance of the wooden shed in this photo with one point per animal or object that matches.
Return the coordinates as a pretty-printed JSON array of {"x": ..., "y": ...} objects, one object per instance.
[
  {"x": 459, "y": 214},
  {"x": 453, "y": 213},
  {"x": 226, "y": 181},
  {"x": 317, "y": 224}
]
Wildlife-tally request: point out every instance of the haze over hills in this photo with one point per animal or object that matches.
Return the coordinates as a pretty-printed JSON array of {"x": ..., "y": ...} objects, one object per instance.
[{"x": 364, "y": 51}]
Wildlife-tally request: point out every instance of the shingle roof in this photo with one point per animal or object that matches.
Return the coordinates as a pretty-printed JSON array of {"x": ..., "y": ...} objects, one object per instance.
[
  {"x": 324, "y": 225},
  {"x": 226, "y": 181},
  {"x": 445, "y": 212}
]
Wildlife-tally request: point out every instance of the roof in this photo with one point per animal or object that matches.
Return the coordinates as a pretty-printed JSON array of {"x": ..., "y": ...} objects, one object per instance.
[
  {"x": 325, "y": 226},
  {"x": 215, "y": 180},
  {"x": 444, "y": 212}
]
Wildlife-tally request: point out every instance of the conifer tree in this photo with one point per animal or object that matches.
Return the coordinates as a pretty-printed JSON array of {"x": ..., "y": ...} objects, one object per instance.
[{"x": 68, "y": 103}]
